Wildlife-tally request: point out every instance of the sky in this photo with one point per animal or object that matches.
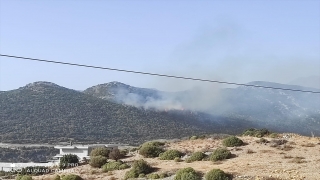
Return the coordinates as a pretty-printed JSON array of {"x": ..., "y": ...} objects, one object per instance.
[{"x": 236, "y": 41}]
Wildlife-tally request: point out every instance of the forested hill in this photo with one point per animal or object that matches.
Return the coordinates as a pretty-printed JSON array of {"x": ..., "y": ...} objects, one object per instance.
[{"x": 46, "y": 112}]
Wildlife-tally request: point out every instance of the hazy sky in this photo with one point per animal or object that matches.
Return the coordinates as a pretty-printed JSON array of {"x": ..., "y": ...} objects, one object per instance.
[{"x": 238, "y": 41}]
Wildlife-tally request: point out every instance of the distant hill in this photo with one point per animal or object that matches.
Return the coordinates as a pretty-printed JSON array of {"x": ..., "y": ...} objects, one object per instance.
[
  {"x": 46, "y": 112},
  {"x": 275, "y": 109},
  {"x": 311, "y": 81}
]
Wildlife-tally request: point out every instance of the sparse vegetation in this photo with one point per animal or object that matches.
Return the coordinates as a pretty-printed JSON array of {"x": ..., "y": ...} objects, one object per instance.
[
  {"x": 232, "y": 141},
  {"x": 256, "y": 132},
  {"x": 98, "y": 161},
  {"x": 217, "y": 174},
  {"x": 196, "y": 156},
  {"x": 170, "y": 155},
  {"x": 220, "y": 154},
  {"x": 187, "y": 174},
  {"x": 262, "y": 141}
]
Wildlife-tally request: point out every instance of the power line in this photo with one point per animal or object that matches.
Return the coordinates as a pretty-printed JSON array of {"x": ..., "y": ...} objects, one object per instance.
[{"x": 155, "y": 74}]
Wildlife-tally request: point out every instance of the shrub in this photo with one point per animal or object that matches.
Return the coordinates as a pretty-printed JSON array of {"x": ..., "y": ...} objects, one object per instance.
[
  {"x": 196, "y": 156},
  {"x": 217, "y": 174},
  {"x": 100, "y": 151},
  {"x": 24, "y": 177},
  {"x": 123, "y": 166},
  {"x": 170, "y": 155},
  {"x": 220, "y": 154},
  {"x": 193, "y": 137},
  {"x": 68, "y": 160},
  {"x": 115, "y": 154},
  {"x": 138, "y": 167},
  {"x": 232, "y": 141},
  {"x": 163, "y": 175},
  {"x": 187, "y": 174},
  {"x": 151, "y": 149},
  {"x": 153, "y": 176},
  {"x": 256, "y": 132},
  {"x": 262, "y": 140},
  {"x": 56, "y": 177},
  {"x": 71, "y": 177},
  {"x": 273, "y": 135},
  {"x": 177, "y": 159},
  {"x": 98, "y": 161},
  {"x": 110, "y": 166}
]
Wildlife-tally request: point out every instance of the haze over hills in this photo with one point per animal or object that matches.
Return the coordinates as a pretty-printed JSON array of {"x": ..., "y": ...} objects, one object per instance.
[
  {"x": 116, "y": 112},
  {"x": 276, "y": 109}
]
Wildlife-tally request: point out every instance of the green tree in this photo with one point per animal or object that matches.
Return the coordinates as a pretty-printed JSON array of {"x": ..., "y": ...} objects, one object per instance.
[{"x": 69, "y": 160}]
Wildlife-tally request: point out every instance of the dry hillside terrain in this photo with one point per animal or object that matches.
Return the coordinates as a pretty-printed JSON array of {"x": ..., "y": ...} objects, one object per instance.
[{"x": 297, "y": 158}]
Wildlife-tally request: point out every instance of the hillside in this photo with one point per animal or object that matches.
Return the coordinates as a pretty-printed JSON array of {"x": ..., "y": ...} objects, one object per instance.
[
  {"x": 274, "y": 109},
  {"x": 46, "y": 112},
  {"x": 287, "y": 156}
]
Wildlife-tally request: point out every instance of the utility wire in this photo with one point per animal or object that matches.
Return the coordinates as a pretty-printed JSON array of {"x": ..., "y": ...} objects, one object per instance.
[{"x": 155, "y": 74}]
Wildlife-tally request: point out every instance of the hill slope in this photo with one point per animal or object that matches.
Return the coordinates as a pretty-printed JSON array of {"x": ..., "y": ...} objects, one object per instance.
[
  {"x": 274, "y": 109},
  {"x": 46, "y": 112}
]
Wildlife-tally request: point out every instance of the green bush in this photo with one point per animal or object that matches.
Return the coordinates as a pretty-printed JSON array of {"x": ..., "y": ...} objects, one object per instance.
[
  {"x": 220, "y": 154},
  {"x": 100, "y": 151},
  {"x": 71, "y": 177},
  {"x": 68, "y": 160},
  {"x": 110, "y": 166},
  {"x": 217, "y": 174},
  {"x": 193, "y": 137},
  {"x": 256, "y": 132},
  {"x": 163, "y": 175},
  {"x": 24, "y": 177},
  {"x": 123, "y": 166},
  {"x": 151, "y": 149},
  {"x": 187, "y": 174},
  {"x": 98, "y": 161},
  {"x": 170, "y": 155},
  {"x": 196, "y": 156},
  {"x": 138, "y": 167},
  {"x": 153, "y": 176},
  {"x": 115, "y": 154},
  {"x": 274, "y": 135},
  {"x": 232, "y": 141},
  {"x": 177, "y": 159}
]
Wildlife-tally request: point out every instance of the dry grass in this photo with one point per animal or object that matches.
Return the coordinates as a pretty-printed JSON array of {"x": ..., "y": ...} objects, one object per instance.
[{"x": 253, "y": 161}]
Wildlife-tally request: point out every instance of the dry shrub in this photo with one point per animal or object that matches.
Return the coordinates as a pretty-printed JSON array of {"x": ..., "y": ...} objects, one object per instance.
[
  {"x": 249, "y": 151},
  {"x": 308, "y": 145},
  {"x": 287, "y": 157},
  {"x": 298, "y": 160}
]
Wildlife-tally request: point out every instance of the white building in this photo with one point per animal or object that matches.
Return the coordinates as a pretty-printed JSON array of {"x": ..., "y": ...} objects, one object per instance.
[{"x": 82, "y": 151}]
